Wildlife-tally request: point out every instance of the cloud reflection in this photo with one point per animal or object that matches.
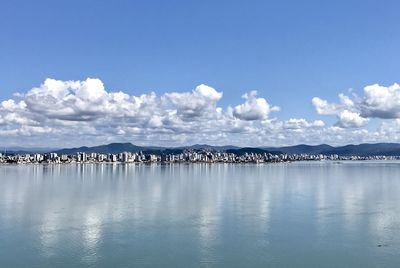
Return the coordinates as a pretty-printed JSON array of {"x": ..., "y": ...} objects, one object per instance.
[{"x": 88, "y": 209}]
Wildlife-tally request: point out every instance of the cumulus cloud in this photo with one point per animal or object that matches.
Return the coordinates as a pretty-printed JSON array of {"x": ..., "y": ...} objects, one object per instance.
[
  {"x": 349, "y": 119},
  {"x": 82, "y": 101},
  {"x": 346, "y": 111},
  {"x": 194, "y": 104},
  {"x": 254, "y": 108},
  {"x": 378, "y": 101},
  {"x": 301, "y": 123},
  {"x": 70, "y": 113},
  {"x": 323, "y": 107},
  {"x": 381, "y": 102},
  {"x": 78, "y": 110}
]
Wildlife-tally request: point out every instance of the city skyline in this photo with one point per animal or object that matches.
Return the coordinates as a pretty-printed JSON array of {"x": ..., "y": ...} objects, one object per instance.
[{"x": 182, "y": 73}]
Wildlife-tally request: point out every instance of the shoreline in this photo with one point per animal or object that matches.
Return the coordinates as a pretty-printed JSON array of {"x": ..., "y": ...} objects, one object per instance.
[{"x": 197, "y": 163}]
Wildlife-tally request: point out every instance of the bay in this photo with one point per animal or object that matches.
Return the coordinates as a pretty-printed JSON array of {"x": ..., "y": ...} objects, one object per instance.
[{"x": 302, "y": 214}]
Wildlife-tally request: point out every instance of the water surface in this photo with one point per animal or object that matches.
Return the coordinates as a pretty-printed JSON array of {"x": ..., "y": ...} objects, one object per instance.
[{"x": 316, "y": 214}]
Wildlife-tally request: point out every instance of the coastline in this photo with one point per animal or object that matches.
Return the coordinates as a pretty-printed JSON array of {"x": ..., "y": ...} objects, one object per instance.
[{"x": 338, "y": 162}]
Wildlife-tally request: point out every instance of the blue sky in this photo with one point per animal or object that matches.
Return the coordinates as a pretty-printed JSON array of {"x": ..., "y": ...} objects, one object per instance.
[{"x": 289, "y": 51}]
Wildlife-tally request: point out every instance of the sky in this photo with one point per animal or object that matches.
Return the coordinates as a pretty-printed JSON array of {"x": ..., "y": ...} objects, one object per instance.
[{"x": 248, "y": 73}]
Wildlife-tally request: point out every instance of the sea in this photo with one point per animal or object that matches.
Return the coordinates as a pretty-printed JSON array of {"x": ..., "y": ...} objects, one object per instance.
[{"x": 300, "y": 214}]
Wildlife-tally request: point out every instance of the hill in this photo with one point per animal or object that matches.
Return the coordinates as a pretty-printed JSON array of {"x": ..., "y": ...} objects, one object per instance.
[{"x": 388, "y": 149}]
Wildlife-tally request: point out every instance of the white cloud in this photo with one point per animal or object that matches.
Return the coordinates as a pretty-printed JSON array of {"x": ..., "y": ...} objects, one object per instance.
[
  {"x": 75, "y": 110},
  {"x": 390, "y": 130},
  {"x": 254, "y": 108},
  {"x": 349, "y": 119},
  {"x": 323, "y": 107},
  {"x": 201, "y": 100},
  {"x": 377, "y": 102},
  {"x": 345, "y": 111},
  {"x": 381, "y": 102},
  {"x": 70, "y": 113},
  {"x": 295, "y": 123}
]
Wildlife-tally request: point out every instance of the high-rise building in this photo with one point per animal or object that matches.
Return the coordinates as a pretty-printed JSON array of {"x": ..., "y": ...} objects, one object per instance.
[{"x": 125, "y": 157}]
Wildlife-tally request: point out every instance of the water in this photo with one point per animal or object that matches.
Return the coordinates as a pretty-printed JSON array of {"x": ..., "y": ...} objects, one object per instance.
[{"x": 318, "y": 214}]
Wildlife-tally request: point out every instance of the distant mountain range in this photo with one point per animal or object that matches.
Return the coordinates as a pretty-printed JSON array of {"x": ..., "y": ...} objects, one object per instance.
[
  {"x": 115, "y": 148},
  {"x": 23, "y": 150},
  {"x": 365, "y": 149},
  {"x": 389, "y": 149}
]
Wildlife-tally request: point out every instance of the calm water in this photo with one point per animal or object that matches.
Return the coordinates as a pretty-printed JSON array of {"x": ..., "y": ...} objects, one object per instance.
[{"x": 279, "y": 215}]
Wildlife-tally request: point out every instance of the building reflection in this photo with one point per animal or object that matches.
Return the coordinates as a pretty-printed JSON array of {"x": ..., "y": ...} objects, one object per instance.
[{"x": 212, "y": 204}]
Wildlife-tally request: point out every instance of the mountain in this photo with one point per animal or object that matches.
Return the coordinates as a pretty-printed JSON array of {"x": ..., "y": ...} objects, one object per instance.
[
  {"x": 241, "y": 151},
  {"x": 26, "y": 150},
  {"x": 115, "y": 148},
  {"x": 302, "y": 149},
  {"x": 112, "y": 148},
  {"x": 365, "y": 149},
  {"x": 389, "y": 149},
  {"x": 210, "y": 147}
]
